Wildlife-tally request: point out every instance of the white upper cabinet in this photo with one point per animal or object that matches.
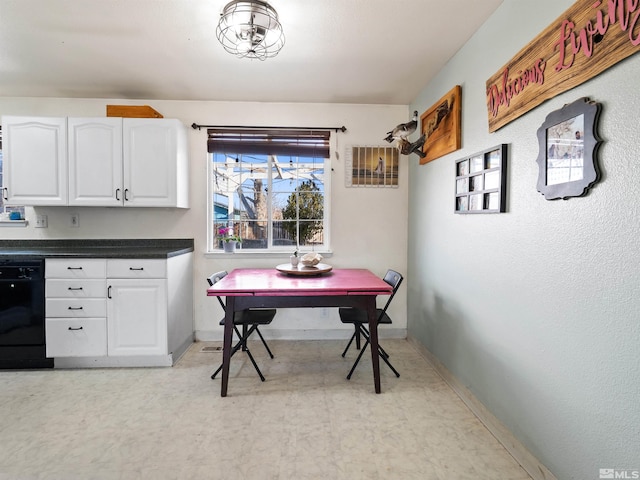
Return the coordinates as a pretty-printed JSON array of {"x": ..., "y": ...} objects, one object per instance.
[
  {"x": 155, "y": 163},
  {"x": 34, "y": 160},
  {"x": 95, "y": 161},
  {"x": 102, "y": 161}
]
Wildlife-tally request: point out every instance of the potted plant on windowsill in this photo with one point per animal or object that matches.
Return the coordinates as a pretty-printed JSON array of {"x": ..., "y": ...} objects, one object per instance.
[{"x": 228, "y": 238}]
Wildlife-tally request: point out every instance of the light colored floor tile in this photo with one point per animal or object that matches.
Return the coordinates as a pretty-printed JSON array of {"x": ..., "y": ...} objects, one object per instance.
[{"x": 305, "y": 422}]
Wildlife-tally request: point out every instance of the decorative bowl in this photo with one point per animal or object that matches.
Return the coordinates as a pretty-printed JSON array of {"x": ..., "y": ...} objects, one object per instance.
[{"x": 311, "y": 259}]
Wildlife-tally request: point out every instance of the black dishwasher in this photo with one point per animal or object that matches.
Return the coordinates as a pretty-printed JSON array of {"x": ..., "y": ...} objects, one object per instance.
[{"x": 22, "y": 333}]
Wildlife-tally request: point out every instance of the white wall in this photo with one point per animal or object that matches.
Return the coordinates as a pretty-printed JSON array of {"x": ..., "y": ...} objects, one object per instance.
[
  {"x": 368, "y": 227},
  {"x": 536, "y": 310}
]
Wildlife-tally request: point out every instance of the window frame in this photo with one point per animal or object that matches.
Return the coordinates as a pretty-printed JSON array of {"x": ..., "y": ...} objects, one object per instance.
[{"x": 271, "y": 249}]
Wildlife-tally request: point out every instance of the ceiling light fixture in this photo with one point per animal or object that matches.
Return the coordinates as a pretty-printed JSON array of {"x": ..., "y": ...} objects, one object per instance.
[{"x": 250, "y": 29}]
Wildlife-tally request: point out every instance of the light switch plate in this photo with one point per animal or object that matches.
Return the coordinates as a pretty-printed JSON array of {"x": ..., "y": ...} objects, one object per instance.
[{"x": 42, "y": 221}]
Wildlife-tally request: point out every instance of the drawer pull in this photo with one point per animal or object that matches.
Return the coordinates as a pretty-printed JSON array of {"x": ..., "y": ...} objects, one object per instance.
[
  {"x": 75, "y": 308},
  {"x": 75, "y": 288},
  {"x": 73, "y": 329},
  {"x": 138, "y": 269},
  {"x": 74, "y": 268}
]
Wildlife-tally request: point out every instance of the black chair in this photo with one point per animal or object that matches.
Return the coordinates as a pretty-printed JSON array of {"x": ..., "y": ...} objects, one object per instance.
[
  {"x": 249, "y": 320},
  {"x": 358, "y": 318}
]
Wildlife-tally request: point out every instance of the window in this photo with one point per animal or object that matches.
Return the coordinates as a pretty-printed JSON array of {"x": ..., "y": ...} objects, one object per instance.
[{"x": 269, "y": 186}]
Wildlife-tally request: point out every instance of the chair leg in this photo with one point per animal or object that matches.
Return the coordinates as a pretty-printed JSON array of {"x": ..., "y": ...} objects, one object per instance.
[
  {"x": 244, "y": 335},
  {"x": 349, "y": 344},
  {"x": 255, "y": 365},
  {"x": 365, "y": 334},
  {"x": 355, "y": 364},
  {"x": 386, "y": 360},
  {"x": 381, "y": 353},
  {"x": 235, "y": 348},
  {"x": 263, "y": 342},
  {"x": 242, "y": 343}
]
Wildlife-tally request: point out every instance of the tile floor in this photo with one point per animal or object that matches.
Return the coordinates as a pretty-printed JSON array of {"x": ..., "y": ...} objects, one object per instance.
[{"x": 305, "y": 422}]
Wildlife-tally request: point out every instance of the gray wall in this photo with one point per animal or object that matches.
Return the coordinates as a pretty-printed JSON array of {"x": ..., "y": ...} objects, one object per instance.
[{"x": 536, "y": 310}]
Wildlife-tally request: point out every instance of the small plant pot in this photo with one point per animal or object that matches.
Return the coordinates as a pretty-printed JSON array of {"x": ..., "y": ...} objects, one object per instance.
[{"x": 294, "y": 260}]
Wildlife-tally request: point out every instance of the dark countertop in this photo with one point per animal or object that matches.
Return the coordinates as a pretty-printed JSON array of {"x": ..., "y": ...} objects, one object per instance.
[{"x": 96, "y": 248}]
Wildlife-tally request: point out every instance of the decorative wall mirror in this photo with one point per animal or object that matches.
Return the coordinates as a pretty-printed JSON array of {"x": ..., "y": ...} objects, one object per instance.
[{"x": 569, "y": 142}]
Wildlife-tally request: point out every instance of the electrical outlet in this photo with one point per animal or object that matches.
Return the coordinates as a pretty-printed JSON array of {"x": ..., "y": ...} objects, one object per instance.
[
  {"x": 41, "y": 221},
  {"x": 74, "y": 220}
]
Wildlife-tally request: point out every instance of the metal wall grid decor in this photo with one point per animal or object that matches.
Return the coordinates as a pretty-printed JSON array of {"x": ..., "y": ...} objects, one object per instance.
[
  {"x": 481, "y": 182},
  {"x": 374, "y": 166}
]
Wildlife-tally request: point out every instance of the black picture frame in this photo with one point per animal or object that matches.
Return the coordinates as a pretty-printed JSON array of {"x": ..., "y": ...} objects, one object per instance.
[
  {"x": 568, "y": 145},
  {"x": 481, "y": 182}
]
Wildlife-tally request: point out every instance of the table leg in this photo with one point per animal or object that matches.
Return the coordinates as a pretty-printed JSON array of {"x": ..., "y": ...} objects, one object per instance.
[
  {"x": 227, "y": 344},
  {"x": 373, "y": 337}
]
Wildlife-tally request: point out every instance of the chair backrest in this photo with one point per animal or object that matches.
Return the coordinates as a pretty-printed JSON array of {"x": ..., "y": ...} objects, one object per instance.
[
  {"x": 215, "y": 278},
  {"x": 394, "y": 279}
]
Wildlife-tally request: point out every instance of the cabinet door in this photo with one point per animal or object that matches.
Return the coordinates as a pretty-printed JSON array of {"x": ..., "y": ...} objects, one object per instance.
[
  {"x": 150, "y": 159},
  {"x": 35, "y": 160},
  {"x": 136, "y": 317},
  {"x": 95, "y": 161}
]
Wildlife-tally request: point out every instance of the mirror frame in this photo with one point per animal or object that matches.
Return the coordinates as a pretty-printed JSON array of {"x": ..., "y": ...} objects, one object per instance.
[{"x": 591, "y": 143}]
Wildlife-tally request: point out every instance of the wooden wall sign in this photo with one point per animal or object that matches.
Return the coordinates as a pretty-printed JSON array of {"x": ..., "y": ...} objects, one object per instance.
[
  {"x": 440, "y": 124},
  {"x": 584, "y": 41}
]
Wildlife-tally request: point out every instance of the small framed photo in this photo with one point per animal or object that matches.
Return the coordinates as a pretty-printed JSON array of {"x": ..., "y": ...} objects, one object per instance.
[
  {"x": 376, "y": 166},
  {"x": 481, "y": 182},
  {"x": 567, "y": 163}
]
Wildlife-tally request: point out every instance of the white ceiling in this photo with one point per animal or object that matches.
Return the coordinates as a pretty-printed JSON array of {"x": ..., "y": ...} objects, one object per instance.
[{"x": 336, "y": 51}]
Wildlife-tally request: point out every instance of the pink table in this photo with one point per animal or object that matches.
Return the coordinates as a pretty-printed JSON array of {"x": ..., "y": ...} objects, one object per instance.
[{"x": 268, "y": 288}]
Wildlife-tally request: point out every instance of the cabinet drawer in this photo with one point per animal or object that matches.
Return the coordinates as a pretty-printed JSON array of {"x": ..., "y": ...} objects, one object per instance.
[
  {"x": 76, "y": 288},
  {"x": 75, "y": 307},
  {"x": 70, "y": 337},
  {"x": 132, "y": 268},
  {"x": 71, "y": 268}
]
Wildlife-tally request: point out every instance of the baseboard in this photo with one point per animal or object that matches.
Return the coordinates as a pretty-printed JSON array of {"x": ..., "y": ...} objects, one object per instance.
[
  {"x": 117, "y": 361},
  {"x": 519, "y": 452},
  {"x": 271, "y": 333}
]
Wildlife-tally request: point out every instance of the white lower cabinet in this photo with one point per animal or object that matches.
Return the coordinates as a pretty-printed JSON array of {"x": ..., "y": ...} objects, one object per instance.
[
  {"x": 137, "y": 313},
  {"x": 118, "y": 312},
  {"x": 75, "y": 307}
]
